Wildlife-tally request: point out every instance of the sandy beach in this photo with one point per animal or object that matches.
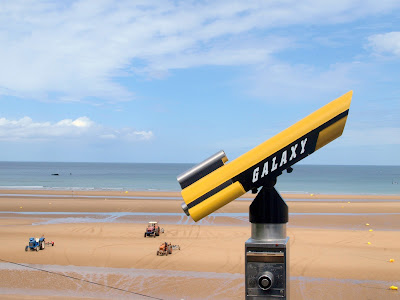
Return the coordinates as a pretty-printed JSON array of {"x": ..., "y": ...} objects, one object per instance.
[{"x": 100, "y": 251}]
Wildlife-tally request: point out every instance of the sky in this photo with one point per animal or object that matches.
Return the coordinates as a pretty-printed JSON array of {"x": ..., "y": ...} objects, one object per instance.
[{"x": 177, "y": 81}]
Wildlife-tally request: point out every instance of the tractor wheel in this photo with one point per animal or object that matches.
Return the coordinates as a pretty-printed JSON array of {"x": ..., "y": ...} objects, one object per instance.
[{"x": 26, "y": 248}]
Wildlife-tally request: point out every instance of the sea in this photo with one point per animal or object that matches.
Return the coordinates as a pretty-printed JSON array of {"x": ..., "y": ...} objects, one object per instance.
[{"x": 316, "y": 179}]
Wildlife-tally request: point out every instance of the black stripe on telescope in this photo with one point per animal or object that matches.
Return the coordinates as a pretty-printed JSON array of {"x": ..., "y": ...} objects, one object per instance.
[
  {"x": 332, "y": 121},
  {"x": 245, "y": 178},
  {"x": 210, "y": 193}
]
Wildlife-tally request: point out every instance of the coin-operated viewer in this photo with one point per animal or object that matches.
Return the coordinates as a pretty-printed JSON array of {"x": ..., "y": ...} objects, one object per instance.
[{"x": 214, "y": 183}]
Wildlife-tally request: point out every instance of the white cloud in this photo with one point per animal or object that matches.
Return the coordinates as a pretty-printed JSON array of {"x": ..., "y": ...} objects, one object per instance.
[
  {"x": 25, "y": 129},
  {"x": 145, "y": 135},
  {"x": 82, "y": 122},
  {"x": 386, "y": 43},
  {"x": 75, "y": 50}
]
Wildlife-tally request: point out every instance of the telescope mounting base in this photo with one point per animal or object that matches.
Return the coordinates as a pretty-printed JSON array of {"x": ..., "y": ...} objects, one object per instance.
[
  {"x": 266, "y": 252},
  {"x": 268, "y": 207}
]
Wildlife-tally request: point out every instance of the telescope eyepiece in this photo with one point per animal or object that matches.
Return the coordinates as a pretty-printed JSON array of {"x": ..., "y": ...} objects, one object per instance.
[
  {"x": 185, "y": 209},
  {"x": 200, "y": 170}
]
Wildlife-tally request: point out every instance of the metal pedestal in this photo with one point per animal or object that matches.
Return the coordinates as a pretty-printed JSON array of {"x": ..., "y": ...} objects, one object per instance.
[
  {"x": 267, "y": 251},
  {"x": 267, "y": 263}
]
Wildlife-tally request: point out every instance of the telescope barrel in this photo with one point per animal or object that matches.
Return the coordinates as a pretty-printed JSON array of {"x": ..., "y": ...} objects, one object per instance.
[{"x": 212, "y": 183}]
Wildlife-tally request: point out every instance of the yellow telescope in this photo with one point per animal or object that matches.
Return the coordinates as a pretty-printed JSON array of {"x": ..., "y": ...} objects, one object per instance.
[{"x": 214, "y": 183}]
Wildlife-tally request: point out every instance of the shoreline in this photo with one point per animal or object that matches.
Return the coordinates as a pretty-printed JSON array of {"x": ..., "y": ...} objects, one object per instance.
[
  {"x": 170, "y": 202},
  {"x": 177, "y": 194}
]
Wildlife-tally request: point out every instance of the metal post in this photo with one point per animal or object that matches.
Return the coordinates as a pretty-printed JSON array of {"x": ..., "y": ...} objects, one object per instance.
[{"x": 266, "y": 252}]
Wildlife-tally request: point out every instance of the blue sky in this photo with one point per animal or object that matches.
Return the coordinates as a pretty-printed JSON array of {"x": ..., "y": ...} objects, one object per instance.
[{"x": 177, "y": 81}]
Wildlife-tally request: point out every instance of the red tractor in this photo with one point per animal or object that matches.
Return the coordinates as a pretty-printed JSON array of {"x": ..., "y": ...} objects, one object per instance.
[{"x": 153, "y": 229}]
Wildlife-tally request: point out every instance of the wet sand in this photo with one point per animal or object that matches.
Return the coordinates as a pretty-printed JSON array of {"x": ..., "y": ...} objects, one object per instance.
[{"x": 330, "y": 257}]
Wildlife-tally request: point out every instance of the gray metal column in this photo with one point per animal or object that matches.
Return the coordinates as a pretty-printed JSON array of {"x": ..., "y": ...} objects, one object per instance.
[{"x": 267, "y": 262}]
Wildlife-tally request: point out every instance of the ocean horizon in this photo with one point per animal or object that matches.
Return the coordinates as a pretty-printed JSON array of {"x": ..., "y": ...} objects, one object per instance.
[{"x": 317, "y": 179}]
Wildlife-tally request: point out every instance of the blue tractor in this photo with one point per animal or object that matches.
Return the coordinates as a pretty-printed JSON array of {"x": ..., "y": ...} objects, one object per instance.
[{"x": 35, "y": 244}]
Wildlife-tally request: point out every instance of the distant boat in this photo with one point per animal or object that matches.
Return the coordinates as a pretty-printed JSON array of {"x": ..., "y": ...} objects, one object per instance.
[{"x": 55, "y": 174}]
